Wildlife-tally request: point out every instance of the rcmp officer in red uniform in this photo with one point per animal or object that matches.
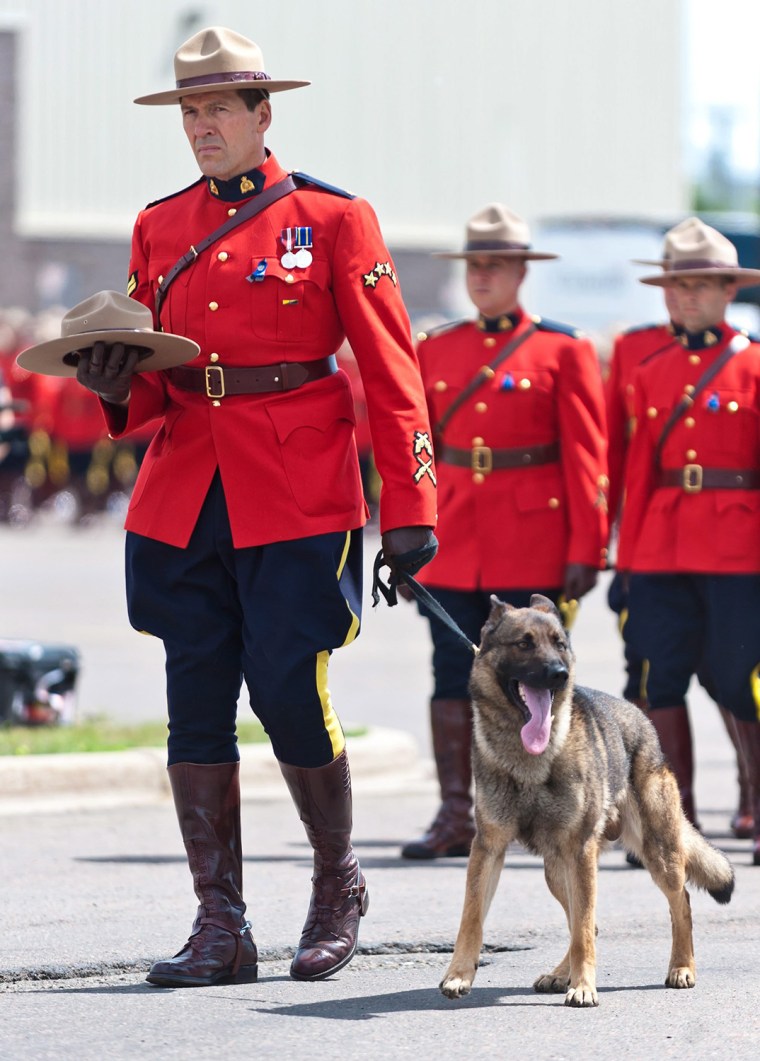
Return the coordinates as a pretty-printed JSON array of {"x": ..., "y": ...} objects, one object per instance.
[
  {"x": 517, "y": 412},
  {"x": 244, "y": 527},
  {"x": 690, "y": 530}
]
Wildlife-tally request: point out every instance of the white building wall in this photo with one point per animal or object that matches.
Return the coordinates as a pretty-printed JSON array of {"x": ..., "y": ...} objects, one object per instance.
[{"x": 429, "y": 108}]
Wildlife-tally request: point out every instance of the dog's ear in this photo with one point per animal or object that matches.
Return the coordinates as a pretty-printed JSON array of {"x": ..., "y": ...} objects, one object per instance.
[
  {"x": 543, "y": 604},
  {"x": 499, "y": 608}
]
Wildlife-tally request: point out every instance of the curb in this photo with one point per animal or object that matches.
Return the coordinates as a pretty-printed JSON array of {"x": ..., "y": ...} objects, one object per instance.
[{"x": 381, "y": 760}]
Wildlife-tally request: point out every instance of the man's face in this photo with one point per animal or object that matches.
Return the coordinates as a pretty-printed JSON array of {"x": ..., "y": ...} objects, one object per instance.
[
  {"x": 493, "y": 283},
  {"x": 701, "y": 302},
  {"x": 226, "y": 138}
]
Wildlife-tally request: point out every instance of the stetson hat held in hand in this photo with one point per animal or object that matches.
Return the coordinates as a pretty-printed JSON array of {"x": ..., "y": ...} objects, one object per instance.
[
  {"x": 107, "y": 317},
  {"x": 217, "y": 58},
  {"x": 497, "y": 232},
  {"x": 694, "y": 249}
]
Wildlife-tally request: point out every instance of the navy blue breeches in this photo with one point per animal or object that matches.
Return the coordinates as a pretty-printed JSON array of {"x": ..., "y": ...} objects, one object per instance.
[
  {"x": 452, "y": 660},
  {"x": 685, "y": 623},
  {"x": 270, "y": 615}
]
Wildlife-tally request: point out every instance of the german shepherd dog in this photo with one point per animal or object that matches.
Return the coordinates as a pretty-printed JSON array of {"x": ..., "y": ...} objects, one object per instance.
[{"x": 563, "y": 769}]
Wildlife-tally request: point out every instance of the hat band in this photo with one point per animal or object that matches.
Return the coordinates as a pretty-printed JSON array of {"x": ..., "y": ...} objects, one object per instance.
[
  {"x": 216, "y": 79},
  {"x": 495, "y": 245},
  {"x": 700, "y": 263}
]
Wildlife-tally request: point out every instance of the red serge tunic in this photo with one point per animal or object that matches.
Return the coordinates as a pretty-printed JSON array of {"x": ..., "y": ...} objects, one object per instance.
[
  {"x": 667, "y": 529},
  {"x": 517, "y": 528},
  {"x": 288, "y": 460},
  {"x": 628, "y": 352}
]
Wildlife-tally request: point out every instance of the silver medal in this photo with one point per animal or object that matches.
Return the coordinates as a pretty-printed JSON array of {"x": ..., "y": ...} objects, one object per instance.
[
  {"x": 288, "y": 260},
  {"x": 303, "y": 258}
]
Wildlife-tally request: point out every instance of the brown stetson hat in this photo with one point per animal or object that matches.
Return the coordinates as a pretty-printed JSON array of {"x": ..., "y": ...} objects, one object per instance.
[
  {"x": 217, "y": 58},
  {"x": 108, "y": 317},
  {"x": 496, "y": 232},
  {"x": 696, "y": 250}
]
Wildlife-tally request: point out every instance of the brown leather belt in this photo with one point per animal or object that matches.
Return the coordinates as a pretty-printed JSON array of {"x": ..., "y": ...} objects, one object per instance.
[
  {"x": 217, "y": 381},
  {"x": 693, "y": 478},
  {"x": 483, "y": 459}
]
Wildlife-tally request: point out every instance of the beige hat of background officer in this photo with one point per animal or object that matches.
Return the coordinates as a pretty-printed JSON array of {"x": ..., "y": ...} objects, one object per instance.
[
  {"x": 498, "y": 232},
  {"x": 694, "y": 249},
  {"x": 218, "y": 58}
]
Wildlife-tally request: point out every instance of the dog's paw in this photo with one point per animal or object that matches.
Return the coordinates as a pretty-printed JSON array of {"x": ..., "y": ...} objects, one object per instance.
[
  {"x": 550, "y": 984},
  {"x": 681, "y": 976},
  {"x": 453, "y": 986},
  {"x": 581, "y": 996}
]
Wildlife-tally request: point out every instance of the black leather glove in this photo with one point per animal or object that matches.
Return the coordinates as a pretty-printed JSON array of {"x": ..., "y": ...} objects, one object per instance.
[
  {"x": 579, "y": 579},
  {"x": 404, "y": 550},
  {"x": 106, "y": 369}
]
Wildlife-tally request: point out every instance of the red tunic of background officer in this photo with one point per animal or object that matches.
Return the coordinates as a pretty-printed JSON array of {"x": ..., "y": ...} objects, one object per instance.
[
  {"x": 690, "y": 531},
  {"x": 521, "y": 483}
]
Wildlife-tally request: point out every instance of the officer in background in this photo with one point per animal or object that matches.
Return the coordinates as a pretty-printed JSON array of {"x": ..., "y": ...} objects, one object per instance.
[
  {"x": 690, "y": 529},
  {"x": 244, "y": 527},
  {"x": 517, "y": 411},
  {"x": 631, "y": 349}
]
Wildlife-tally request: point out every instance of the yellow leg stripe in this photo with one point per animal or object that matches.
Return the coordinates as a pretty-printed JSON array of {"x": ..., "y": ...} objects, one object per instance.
[
  {"x": 344, "y": 557},
  {"x": 754, "y": 681},
  {"x": 644, "y": 678},
  {"x": 354, "y": 627},
  {"x": 332, "y": 723}
]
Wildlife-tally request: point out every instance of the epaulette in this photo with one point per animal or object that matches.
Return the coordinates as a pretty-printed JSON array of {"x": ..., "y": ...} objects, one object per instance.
[
  {"x": 545, "y": 325},
  {"x": 440, "y": 329},
  {"x": 331, "y": 188},
  {"x": 651, "y": 327},
  {"x": 174, "y": 195}
]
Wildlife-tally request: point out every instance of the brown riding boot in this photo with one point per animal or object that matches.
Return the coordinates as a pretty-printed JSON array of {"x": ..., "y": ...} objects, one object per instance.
[
  {"x": 339, "y": 897},
  {"x": 674, "y": 730},
  {"x": 220, "y": 948},
  {"x": 453, "y": 828},
  {"x": 748, "y": 734},
  {"x": 742, "y": 822}
]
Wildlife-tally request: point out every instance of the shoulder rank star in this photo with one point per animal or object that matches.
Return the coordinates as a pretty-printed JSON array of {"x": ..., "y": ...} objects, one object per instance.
[
  {"x": 423, "y": 452},
  {"x": 380, "y": 270}
]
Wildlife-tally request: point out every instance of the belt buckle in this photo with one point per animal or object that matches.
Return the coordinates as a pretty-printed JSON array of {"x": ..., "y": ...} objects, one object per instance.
[
  {"x": 692, "y": 478},
  {"x": 481, "y": 459},
  {"x": 210, "y": 384}
]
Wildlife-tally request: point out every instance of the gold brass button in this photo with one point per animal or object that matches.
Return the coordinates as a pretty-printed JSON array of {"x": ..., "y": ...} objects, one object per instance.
[
  {"x": 231, "y": 212},
  {"x": 160, "y": 279},
  {"x": 421, "y": 337},
  {"x": 695, "y": 359},
  {"x": 213, "y": 357},
  {"x": 524, "y": 384},
  {"x": 490, "y": 341},
  {"x": 733, "y": 407},
  {"x": 216, "y": 404},
  {"x": 651, "y": 412},
  {"x": 222, "y": 256},
  {"x": 478, "y": 441},
  {"x": 553, "y": 502},
  {"x": 480, "y": 407},
  {"x": 691, "y": 454},
  {"x": 440, "y": 385},
  {"x": 689, "y": 421},
  {"x": 213, "y": 306},
  {"x": 478, "y": 478},
  {"x": 290, "y": 279},
  {"x": 689, "y": 388},
  {"x": 487, "y": 372}
]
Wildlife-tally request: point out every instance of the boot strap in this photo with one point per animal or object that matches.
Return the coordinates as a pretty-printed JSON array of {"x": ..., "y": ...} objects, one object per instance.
[{"x": 237, "y": 932}]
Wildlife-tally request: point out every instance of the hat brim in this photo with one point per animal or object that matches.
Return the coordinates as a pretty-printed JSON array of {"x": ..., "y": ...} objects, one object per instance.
[
  {"x": 174, "y": 95},
  {"x": 57, "y": 357},
  {"x": 533, "y": 256},
  {"x": 742, "y": 277},
  {"x": 662, "y": 262}
]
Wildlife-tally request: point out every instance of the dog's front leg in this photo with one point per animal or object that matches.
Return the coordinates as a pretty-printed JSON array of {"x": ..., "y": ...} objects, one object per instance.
[
  {"x": 483, "y": 871},
  {"x": 581, "y": 877}
]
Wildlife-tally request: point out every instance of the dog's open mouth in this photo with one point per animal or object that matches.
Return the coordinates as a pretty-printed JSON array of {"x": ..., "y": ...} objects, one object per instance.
[{"x": 537, "y": 708}]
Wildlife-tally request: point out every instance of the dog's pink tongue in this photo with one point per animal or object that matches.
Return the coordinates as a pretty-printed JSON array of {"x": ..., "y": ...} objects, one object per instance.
[{"x": 535, "y": 734}]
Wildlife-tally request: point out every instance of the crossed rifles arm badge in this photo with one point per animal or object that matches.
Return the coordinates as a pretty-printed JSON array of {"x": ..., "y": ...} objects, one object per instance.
[{"x": 422, "y": 448}]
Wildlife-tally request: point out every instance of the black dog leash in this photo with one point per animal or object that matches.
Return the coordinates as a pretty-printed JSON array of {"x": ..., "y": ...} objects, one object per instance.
[{"x": 419, "y": 591}]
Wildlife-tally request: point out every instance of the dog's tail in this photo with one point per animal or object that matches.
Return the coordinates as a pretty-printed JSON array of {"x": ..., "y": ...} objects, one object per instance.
[{"x": 706, "y": 867}]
